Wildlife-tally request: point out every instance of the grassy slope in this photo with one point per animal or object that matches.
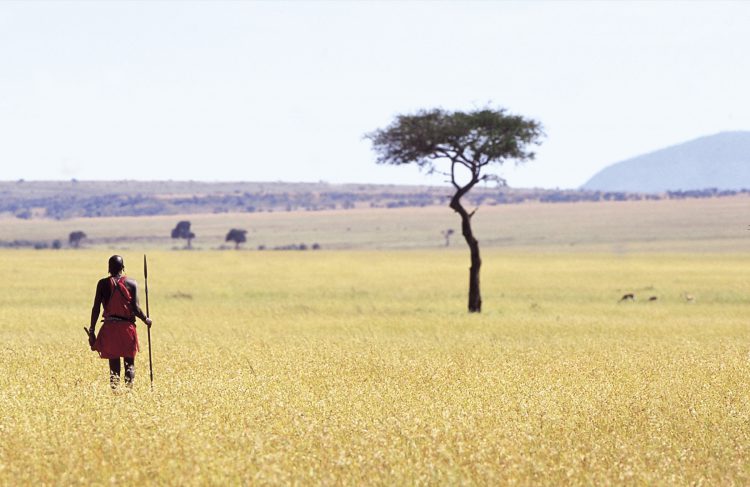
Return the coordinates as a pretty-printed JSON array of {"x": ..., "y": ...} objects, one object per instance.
[
  {"x": 696, "y": 225},
  {"x": 362, "y": 367}
]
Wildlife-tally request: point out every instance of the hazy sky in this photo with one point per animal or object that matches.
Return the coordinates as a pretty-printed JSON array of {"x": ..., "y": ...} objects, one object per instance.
[{"x": 265, "y": 91}]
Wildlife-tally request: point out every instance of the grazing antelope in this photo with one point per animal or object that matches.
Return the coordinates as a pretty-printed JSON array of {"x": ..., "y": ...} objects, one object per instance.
[
  {"x": 689, "y": 298},
  {"x": 627, "y": 297},
  {"x": 653, "y": 298}
]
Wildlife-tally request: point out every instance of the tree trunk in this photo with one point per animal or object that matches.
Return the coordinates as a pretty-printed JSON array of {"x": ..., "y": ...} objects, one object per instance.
[{"x": 475, "y": 297}]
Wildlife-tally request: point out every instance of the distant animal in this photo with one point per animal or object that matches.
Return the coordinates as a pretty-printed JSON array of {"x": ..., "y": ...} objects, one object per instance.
[
  {"x": 653, "y": 298},
  {"x": 627, "y": 297},
  {"x": 689, "y": 298}
]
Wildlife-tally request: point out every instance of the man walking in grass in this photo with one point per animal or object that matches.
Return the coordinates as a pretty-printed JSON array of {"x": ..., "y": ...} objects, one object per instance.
[{"x": 118, "y": 295}]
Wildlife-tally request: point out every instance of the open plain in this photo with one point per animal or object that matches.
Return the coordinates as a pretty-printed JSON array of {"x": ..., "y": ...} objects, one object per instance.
[
  {"x": 362, "y": 367},
  {"x": 689, "y": 225},
  {"x": 313, "y": 183}
]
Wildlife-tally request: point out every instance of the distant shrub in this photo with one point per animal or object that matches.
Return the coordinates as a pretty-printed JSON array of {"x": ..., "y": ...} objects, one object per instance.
[
  {"x": 182, "y": 230},
  {"x": 74, "y": 239},
  {"x": 236, "y": 235}
]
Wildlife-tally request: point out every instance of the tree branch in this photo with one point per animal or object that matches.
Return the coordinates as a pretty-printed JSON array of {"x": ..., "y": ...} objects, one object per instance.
[
  {"x": 500, "y": 182},
  {"x": 453, "y": 175},
  {"x": 469, "y": 163}
]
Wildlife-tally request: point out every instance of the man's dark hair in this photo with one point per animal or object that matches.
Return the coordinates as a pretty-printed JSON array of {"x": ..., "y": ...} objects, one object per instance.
[{"x": 116, "y": 264}]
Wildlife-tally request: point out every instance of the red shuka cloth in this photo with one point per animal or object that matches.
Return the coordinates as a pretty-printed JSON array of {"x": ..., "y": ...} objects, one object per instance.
[{"x": 118, "y": 337}]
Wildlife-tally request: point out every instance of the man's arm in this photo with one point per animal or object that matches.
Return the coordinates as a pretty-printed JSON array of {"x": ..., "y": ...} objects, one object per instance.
[
  {"x": 97, "y": 304},
  {"x": 95, "y": 312},
  {"x": 136, "y": 303}
]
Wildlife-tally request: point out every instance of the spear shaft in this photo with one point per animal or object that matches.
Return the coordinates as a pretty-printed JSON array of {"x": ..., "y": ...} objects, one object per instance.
[{"x": 150, "y": 362}]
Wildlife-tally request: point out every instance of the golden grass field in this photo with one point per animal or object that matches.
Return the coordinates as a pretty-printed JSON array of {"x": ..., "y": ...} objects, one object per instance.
[{"x": 362, "y": 367}]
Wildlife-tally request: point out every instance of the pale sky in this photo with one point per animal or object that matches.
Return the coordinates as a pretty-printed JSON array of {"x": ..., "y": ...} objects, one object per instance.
[{"x": 266, "y": 91}]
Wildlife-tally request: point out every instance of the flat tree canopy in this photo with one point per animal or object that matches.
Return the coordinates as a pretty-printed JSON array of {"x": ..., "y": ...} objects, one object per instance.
[
  {"x": 470, "y": 139},
  {"x": 237, "y": 236},
  {"x": 468, "y": 142},
  {"x": 182, "y": 230}
]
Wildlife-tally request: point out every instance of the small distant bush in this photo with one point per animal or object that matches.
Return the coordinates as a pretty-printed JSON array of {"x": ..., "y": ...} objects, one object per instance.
[
  {"x": 236, "y": 235},
  {"x": 182, "y": 230},
  {"x": 74, "y": 239}
]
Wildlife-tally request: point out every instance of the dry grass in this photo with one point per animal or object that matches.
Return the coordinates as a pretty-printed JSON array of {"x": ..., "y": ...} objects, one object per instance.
[
  {"x": 363, "y": 368},
  {"x": 706, "y": 225}
]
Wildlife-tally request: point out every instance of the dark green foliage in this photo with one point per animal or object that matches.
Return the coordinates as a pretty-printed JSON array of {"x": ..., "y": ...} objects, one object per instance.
[{"x": 473, "y": 139}]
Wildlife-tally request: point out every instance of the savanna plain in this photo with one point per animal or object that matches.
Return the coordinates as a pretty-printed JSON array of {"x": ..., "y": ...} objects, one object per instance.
[{"x": 358, "y": 367}]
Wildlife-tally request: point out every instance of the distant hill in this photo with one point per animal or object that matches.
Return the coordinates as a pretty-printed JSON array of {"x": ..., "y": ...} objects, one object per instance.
[{"x": 719, "y": 161}]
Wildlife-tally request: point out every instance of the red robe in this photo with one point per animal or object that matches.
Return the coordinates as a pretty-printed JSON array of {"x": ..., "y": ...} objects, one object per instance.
[{"x": 118, "y": 336}]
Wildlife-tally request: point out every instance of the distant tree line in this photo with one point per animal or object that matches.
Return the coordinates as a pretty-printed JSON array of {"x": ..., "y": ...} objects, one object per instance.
[
  {"x": 74, "y": 240},
  {"x": 301, "y": 246},
  {"x": 182, "y": 230},
  {"x": 66, "y": 206},
  {"x": 35, "y": 244}
]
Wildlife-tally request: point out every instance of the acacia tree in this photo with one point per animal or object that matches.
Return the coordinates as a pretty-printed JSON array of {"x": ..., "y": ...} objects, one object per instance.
[
  {"x": 182, "y": 230},
  {"x": 447, "y": 235},
  {"x": 468, "y": 143},
  {"x": 237, "y": 236}
]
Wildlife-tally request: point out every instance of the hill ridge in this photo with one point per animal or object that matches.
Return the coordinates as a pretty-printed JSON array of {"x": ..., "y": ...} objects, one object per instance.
[{"x": 721, "y": 161}]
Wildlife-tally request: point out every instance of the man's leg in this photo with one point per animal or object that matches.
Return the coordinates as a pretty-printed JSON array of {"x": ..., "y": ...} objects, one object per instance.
[
  {"x": 114, "y": 372},
  {"x": 129, "y": 370}
]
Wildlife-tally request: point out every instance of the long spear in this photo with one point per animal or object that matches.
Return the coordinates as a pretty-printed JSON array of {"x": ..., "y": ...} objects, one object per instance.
[{"x": 150, "y": 363}]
